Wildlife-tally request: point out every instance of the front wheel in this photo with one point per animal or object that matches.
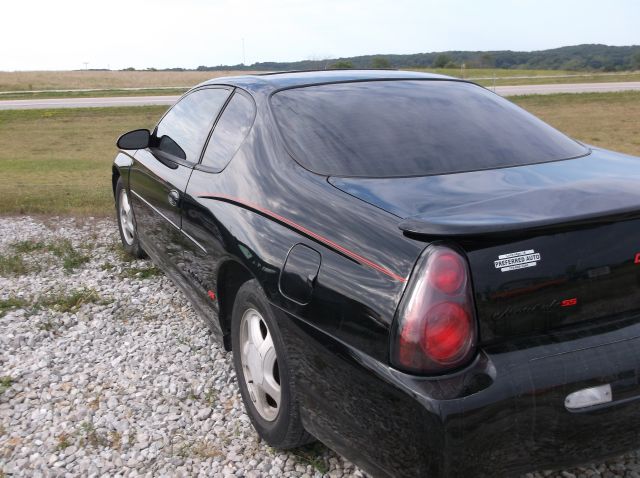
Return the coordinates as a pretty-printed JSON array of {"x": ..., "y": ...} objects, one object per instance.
[
  {"x": 262, "y": 367},
  {"x": 127, "y": 222}
]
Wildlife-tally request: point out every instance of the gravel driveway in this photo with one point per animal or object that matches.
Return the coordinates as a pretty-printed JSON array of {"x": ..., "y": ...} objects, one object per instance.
[{"x": 106, "y": 370}]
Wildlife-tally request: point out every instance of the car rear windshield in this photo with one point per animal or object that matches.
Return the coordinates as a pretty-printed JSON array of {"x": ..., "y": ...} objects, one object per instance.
[{"x": 412, "y": 128}]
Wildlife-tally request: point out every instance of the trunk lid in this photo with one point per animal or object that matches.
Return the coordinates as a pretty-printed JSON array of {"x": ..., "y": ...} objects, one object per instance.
[{"x": 548, "y": 245}]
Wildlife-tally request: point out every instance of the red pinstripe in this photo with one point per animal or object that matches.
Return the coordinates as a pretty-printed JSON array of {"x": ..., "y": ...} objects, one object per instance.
[{"x": 304, "y": 230}]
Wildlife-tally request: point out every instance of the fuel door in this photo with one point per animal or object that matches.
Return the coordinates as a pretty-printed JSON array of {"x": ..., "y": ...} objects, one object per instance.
[{"x": 299, "y": 273}]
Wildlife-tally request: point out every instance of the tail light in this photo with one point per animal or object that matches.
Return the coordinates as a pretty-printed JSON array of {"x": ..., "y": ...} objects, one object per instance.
[{"x": 435, "y": 326}]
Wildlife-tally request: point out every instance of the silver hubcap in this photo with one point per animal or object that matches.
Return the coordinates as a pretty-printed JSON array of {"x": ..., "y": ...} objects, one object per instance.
[
  {"x": 126, "y": 217},
  {"x": 260, "y": 364}
]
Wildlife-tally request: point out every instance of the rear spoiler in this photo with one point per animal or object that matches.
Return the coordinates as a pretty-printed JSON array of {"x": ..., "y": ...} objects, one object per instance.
[{"x": 507, "y": 224}]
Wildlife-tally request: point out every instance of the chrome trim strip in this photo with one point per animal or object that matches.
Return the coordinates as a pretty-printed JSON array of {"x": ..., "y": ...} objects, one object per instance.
[{"x": 169, "y": 220}]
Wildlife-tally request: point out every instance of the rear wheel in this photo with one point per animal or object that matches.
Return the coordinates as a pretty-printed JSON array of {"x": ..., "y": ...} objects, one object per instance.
[
  {"x": 127, "y": 222},
  {"x": 262, "y": 367}
]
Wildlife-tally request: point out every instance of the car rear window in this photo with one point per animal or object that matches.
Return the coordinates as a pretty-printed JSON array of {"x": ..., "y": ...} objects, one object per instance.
[{"x": 412, "y": 128}]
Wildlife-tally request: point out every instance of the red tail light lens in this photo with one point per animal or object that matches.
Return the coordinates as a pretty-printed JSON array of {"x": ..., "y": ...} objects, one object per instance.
[
  {"x": 435, "y": 327},
  {"x": 448, "y": 273}
]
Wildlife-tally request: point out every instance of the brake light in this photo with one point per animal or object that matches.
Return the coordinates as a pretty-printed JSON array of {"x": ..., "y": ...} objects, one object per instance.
[
  {"x": 448, "y": 274},
  {"x": 435, "y": 327}
]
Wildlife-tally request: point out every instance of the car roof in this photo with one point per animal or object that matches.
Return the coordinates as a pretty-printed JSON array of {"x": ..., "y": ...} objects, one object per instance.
[{"x": 291, "y": 79}]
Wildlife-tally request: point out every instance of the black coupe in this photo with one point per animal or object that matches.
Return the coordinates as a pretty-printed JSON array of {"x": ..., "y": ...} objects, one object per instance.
[{"x": 407, "y": 267}]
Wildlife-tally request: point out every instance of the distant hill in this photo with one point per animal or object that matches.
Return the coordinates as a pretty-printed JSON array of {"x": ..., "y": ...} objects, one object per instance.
[{"x": 578, "y": 57}]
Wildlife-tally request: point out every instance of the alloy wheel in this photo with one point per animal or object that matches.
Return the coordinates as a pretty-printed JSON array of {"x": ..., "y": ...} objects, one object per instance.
[
  {"x": 260, "y": 365},
  {"x": 126, "y": 217}
]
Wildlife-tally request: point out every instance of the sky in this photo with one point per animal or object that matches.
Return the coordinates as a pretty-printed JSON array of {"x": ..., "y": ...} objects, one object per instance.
[{"x": 66, "y": 34}]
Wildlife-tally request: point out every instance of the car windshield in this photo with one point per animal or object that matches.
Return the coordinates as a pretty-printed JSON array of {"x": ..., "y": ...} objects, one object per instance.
[{"x": 412, "y": 128}]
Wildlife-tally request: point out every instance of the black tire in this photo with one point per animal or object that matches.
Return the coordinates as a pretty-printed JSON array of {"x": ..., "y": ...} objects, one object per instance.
[
  {"x": 286, "y": 430},
  {"x": 132, "y": 246}
]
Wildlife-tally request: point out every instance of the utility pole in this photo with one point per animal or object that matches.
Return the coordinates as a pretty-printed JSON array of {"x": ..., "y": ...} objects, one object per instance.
[
  {"x": 86, "y": 65},
  {"x": 244, "y": 60}
]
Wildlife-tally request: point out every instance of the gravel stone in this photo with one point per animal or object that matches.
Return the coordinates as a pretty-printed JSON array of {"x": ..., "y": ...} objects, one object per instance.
[{"x": 131, "y": 384}]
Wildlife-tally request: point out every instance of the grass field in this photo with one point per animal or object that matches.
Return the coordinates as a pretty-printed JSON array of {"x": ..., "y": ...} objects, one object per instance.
[
  {"x": 38, "y": 84},
  {"x": 91, "y": 93},
  {"x": 491, "y": 76},
  {"x": 71, "y": 80},
  {"x": 59, "y": 161}
]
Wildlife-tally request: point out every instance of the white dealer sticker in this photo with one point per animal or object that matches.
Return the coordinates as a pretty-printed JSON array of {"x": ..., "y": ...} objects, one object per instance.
[{"x": 517, "y": 260}]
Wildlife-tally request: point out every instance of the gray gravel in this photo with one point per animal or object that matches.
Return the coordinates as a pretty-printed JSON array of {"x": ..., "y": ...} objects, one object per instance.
[{"x": 129, "y": 382}]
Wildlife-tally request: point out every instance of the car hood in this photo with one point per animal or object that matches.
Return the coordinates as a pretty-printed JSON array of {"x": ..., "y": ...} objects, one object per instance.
[{"x": 601, "y": 184}]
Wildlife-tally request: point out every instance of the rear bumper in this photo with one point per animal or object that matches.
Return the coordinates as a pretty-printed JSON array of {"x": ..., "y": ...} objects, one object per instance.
[{"x": 503, "y": 414}]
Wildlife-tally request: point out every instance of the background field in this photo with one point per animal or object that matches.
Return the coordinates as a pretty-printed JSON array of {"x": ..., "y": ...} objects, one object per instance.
[
  {"x": 62, "y": 80},
  {"x": 41, "y": 84},
  {"x": 59, "y": 161}
]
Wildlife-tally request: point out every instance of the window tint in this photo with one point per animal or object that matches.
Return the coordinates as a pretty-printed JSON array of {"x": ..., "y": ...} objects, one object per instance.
[
  {"x": 184, "y": 129},
  {"x": 230, "y": 131},
  {"x": 412, "y": 128}
]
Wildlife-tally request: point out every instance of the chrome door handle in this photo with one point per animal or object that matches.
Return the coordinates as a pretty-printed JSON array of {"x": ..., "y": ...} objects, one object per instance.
[{"x": 174, "y": 198}]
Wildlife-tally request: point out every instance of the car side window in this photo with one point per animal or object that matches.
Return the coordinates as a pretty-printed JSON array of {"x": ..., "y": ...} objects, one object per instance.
[
  {"x": 184, "y": 129},
  {"x": 230, "y": 131}
]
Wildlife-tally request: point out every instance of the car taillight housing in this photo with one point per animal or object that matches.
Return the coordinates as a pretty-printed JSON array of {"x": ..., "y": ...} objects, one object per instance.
[{"x": 435, "y": 326}]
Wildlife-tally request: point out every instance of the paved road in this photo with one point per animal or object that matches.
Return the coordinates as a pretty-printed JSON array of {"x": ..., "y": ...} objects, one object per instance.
[
  {"x": 168, "y": 100},
  {"x": 567, "y": 88}
]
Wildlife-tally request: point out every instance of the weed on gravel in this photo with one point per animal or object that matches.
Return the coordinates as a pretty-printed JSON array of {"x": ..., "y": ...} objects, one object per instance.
[
  {"x": 12, "y": 265},
  {"x": 11, "y": 303},
  {"x": 71, "y": 257},
  {"x": 314, "y": 455},
  {"x": 140, "y": 272},
  {"x": 62, "y": 302},
  {"x": 28, "y": 246},
  {"x": 5, "y": 384},
  {"x": 73, "y": 301}
]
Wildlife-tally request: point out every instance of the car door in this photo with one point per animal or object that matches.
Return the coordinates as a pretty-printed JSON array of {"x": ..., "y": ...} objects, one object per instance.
[
  {"x": 199, "y": 220},
  {"x": 160, "y": 173}
]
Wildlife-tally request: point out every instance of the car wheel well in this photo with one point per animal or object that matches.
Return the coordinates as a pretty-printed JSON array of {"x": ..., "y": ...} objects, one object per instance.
[
  {"x": 230, "y": 278},
  {"x": 115, "y": 175}
]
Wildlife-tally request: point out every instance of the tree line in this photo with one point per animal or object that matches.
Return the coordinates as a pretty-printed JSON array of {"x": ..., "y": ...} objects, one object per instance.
[{"x": 591, "y": 57}]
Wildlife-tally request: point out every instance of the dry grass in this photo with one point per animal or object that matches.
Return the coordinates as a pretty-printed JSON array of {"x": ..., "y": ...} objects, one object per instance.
[
  {"x": 59, "y": 161},
  {"x": 609, "y": 120},
  {"x": 114, "y": 80},
  {"x": 485, "y": 76},
  {"x": 63, "y": 80}
]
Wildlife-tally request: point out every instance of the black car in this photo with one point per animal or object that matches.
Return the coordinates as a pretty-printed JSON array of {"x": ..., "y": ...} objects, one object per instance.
[{"x": 407, "y": 267}]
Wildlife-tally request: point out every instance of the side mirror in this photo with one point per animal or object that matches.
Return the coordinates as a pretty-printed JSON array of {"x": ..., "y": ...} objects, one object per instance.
[{"x": 136, "y": 139}]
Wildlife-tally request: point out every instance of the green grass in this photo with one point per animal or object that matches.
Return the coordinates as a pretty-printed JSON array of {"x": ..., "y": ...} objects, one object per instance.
[
  {"x": 28, "y": 246},
  {"x": 59, "y": 161},
  {"x": 91, "y": 94},
  {"x": 73, "y": 301},
  {"x": 60, "y": 302},
  {"x": 71, "y": 257},
  {"x": 11, "y": 303},
  {"x": 12, "y": 265},
  {"x": 5, "y": 384},
  {"x": 314, "y": 455},
  {"x": 141, "y": 272},
  {"x": 503, "y": 77},
  {"x": 609, "y": 120}
]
